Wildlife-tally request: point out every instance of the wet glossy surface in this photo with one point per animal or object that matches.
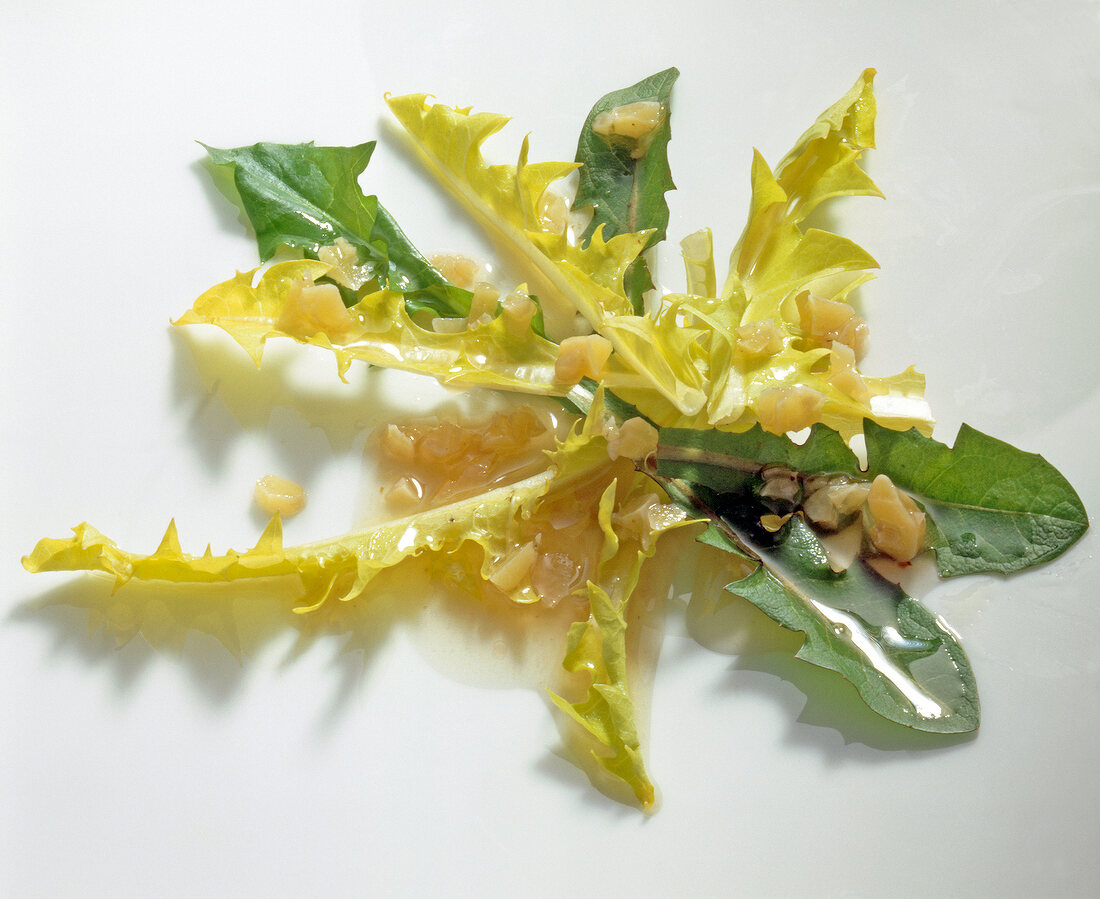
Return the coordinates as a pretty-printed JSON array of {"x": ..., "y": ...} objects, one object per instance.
[{"x": 302, "y": 770}]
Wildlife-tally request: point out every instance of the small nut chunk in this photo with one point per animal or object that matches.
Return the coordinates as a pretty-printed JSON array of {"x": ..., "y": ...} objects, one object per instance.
[
  {"x": 854, "y": 334},
  {"x": 441, "y": 325},
  {"x": 405, "y": 493},
  {"x": 758, "y": 339},
  {"x": 279, "y": 496},
  {"x": 635, "y": 439},
  {"x": 483, "y": 306},
  {"x": 514, "y": 569},
  {"x": 635, "y": 122},
  {"x": 782, "y": 485},
  {"x": 580, "y": 357},
  {"x": 829, "y": 321},
  {"x": 444, "y": 443},
  {"x": 398, "y": 444},
  {"x": 460, "y": 270},
  {"x": 553, "y": 212},
  {"x": 517, "y": 310},
  {"x": 790, "y": 407},
  {"x": 844, "y": 375},
  {"x": 833, "y": 505},
  {"x": 344, "y": 259},
  {"x": 896, "y": 525},
  {"x": 312, "y": 309}
]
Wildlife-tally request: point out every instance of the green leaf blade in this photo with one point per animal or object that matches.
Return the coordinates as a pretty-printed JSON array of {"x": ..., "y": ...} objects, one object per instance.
[
  {"x": 708, "y": 456},
  {"x": 996, "y": 509},
  {"x": 904, "y": 662},
  {"x": 305, "y": 196},
  {"x": 626, "y": 191},
  {"x": 301, "y": 195},
  {"x": 992, "y": 508}
]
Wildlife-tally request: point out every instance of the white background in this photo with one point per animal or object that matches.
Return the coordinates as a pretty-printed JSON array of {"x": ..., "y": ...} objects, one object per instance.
[{"x": 404, "y": 769}]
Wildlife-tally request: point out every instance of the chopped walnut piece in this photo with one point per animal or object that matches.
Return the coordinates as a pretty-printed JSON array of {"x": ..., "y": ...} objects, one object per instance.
[
  {"x": 635, "y": 439},
  {"x": 483, "y": 305},
  {"x": 445, "y": 443},
  {"x": 276, "y": 495},
  {"x": 790, "y": 407},
  {"x": 446, "y": 459},
  {"x": 633, "y": 122},
  {"x": 844, "y": 375},
  {"x": 398, "y": 444},
  {"x": 580, "y": 357},
  {"x": 441, "y": 325},
  {"x": 829, "y": 321},
  {"x": 514, "y": 569},
  {"x": 553, "y": 212},
  {"x": 895, "y": 524},
  {"x": 312, "y": 309},
  {"x": 832, "y": 505},
  {"x": 517, "y": 310},
  {"x": 758, "y": 339},
  {"x": 344, "y": 259},
  {"x": 405, "y": 493},
  {"x": 780, "y": 484},
  {"x": 462, "y": 271}
]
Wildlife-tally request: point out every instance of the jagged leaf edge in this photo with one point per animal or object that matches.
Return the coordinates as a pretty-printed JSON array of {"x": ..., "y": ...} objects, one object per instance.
[
  {"x": 960, "y": 542},
  {"x": 395, "y": 261},
  {"x": 826, "y": 648},
  {"x": 489, "y": 354}
]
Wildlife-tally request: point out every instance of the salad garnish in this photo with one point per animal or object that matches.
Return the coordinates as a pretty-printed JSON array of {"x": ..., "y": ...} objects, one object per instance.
[{"x": 737, "y": 409}]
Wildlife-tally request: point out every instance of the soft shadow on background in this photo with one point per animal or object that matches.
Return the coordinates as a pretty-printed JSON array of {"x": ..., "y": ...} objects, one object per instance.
[
  {"x": 822, "y": 705},
  {"x": 215, "y": 631}
]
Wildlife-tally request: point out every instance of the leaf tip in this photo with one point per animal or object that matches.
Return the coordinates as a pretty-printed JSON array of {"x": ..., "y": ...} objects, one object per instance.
[{"x": 169, "y": 544}]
